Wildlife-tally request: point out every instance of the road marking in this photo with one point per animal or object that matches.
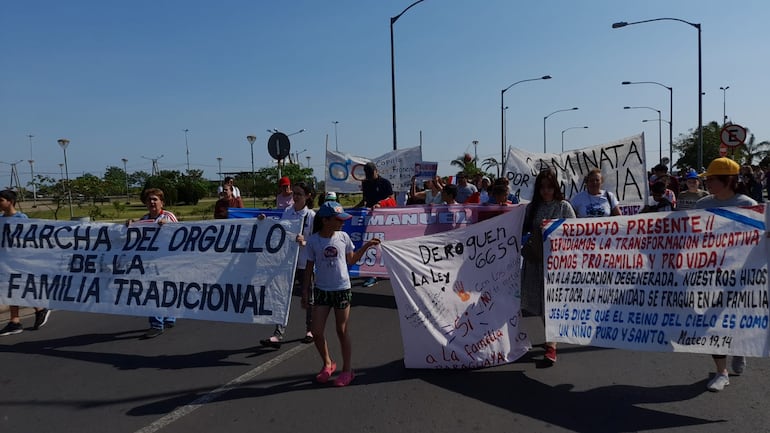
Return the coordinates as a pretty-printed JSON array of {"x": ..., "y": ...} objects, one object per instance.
[{"x": 215, "y": 394}]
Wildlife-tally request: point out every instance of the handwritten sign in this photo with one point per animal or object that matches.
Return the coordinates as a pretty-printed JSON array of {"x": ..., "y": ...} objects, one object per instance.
[
  {"x": 458, "y": 295},
  {"x": 687, "y": 281},
  {"x": 622, "y": 163},
  {"x": 224, "y": 270}
]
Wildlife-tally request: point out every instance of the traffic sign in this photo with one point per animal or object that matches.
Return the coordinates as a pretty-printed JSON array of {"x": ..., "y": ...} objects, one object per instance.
[
  {"x": 278, "y": 146},
  {"x": 733, "y": 135},
  {"x": 722, "y": 150}
]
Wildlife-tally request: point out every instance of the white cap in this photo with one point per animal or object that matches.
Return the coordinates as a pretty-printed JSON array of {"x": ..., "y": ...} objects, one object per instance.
[{"x": 331, "y": 195}]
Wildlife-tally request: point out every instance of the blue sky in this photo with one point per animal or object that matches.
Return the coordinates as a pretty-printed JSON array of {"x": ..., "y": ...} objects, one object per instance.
[{"x": 124, "y": 79}]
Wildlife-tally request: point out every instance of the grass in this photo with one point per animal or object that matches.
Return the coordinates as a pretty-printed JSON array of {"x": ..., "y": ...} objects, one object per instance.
[{"x": 118, "y": 211}]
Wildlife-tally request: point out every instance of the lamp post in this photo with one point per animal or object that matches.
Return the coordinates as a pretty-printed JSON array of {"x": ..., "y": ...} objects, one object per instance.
[
  {"x": 125, "y": 172},
  {"x": 251, "y": 139},
  {"x": 660, "y": 139},
  {"x": 502, "y": 112},
  {"x": 32, "y": 176},
  {"x": 32, "y": 172},
  {"x": 724, "y": 103},
  {"x": 187, "y": 148},
  {"x": 336, "y": 147},
  {"x": 219, "y": 160},
  {"x": 546, "y": 118},
  {"x": 393, "y": 69},
  {"x": 670, "y": 119},
  {"x": 565, "y": 130},
  {"x": 63, "y": 142},
  {"x": 700, "y": 76},
  {"x": 308, "y": 161}
]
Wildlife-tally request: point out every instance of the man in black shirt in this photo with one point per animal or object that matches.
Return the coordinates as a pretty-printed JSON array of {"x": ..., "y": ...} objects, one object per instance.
[{"x": 374, "y": 187}]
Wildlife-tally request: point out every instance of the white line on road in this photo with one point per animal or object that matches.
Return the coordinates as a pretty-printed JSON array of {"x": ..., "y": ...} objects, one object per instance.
[{"x": 213, "y": 395}]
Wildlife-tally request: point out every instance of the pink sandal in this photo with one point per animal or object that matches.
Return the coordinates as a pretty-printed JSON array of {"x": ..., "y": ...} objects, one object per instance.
[
  {"x": 344, "y": 378},
  {"x": 326, "y": 373}
]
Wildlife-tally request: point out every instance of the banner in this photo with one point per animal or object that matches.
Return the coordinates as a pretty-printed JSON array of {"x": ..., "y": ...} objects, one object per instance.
[
  {"x": 223, "y": 270},
  {"x": 622, "y": 163},
  {"x": 425, "y": 170},
  {"x": 344, "y": 172},
  {"x": 458, "y": 295},
  {"x": 685, "y": 281},
  {"x": 389, "y": 224}
]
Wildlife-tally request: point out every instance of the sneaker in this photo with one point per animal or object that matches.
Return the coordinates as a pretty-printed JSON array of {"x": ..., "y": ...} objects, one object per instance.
[
  {"x": 344, "y": 378},
  {"x": 550, "y": 354},
  {"x": 369, "y": 282},
  {"x": 326, "y": 373},
  {"x": 11, "y": 328},
  {"x": 739, "y": 364},
  {"x": 718, "y": 383},
  {"x": 41, "y": 318},
  {"x": 153, "y": 332}
]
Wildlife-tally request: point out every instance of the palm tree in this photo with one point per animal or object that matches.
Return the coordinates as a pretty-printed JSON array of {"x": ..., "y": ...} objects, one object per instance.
[
  {"x": 489, "y": 163},
  {"x": 756, "y": 151}
]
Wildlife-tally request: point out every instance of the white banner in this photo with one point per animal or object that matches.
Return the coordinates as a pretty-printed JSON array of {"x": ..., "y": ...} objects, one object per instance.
[
  {"x": 224, "y": 270},
  {"x": 458, "y": 294},
  {"x": 686, "y": 281},
  {"x": 622, "y": 163},
  {"x": 345, "y": 172}
]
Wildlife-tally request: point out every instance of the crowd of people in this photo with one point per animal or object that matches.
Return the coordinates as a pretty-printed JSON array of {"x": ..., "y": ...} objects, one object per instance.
[{"x": 327, "y": 287}]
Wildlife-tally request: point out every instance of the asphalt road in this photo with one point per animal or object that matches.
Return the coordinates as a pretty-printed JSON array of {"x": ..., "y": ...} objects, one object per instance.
[{"x": 92, "y": 373}]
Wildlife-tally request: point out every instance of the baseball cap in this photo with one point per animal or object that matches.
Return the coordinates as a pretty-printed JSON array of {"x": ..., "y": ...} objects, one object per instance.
[
  {"x": 284, "y": 181},
  {"x": 330, "y": 196},
  {"x": 332, "y": 208},
  {"x": 723, "y": 167},
  {"x": 692, "y": 174}
]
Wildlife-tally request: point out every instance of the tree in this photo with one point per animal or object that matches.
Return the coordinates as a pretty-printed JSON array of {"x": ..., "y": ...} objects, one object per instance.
[
  {"x": 687, "y": 147},
  {"x": 114, "y": 181},
  {"x": 753, "y": 151},
  {"x": 489, "y": 163}
]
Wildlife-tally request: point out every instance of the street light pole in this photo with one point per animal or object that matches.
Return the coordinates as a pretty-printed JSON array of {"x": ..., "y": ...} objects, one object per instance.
[
  {"x": 393, "y": 69},
  {"x": 187, "y": 148},
  {"x": 700, "y": 77},
  {"x": 125, "y": 172},
  {"x": 670, "y": 119},
  {"x": 546, "y": 118},
  {"x": 32, "y": 172},
  {"x": 219, "y": 160},
  {"x": 502, "y": 113},
  {"x": 565, "y": 130},
  {"x": 660, "y": 140},
  {"x": 63, "y": 142},
  {"x": 251, "y": 139},
  {"x": 336, "y": 147},
  {"x": 724, "y": 103}
]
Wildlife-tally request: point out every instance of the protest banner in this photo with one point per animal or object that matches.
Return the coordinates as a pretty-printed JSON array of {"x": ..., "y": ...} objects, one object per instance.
[
  {"x": 685, "y": 281},
  {"x": 458, "y": 294},
  {"x": 622, "y": 163},
  {"x": 345, "y": 172},
  {"x": 393, "y": 224},
  {"x": 223, "y": 270},
  {"x": 425, "y": 170}
]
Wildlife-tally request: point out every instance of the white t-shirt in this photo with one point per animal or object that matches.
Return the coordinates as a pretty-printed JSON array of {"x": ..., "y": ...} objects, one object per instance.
[
  {"x": 236, "y": 191},
  {"x": 328, "y": 255},
  {"x": 308, "y": 215},
  {"x": 587, "y": 205}
]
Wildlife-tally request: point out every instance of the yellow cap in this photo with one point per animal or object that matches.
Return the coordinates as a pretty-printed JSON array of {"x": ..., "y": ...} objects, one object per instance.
[{"x": 723, "y": 166}]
